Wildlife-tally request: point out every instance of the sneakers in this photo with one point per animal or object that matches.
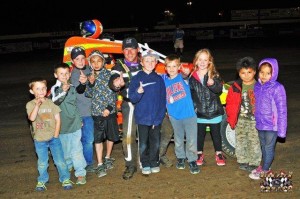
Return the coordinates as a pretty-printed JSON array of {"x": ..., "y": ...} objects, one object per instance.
[
  {"x": 243, "y": 166},
  {"x": 101, "y": 171},
  {"x": 251, "y": 168},
  {"x": 165, "y": 161},
  {"x": 128, "y": 173},
  {"x": 81, "y": 180},
  {"x": 108, "y": 162},
  {"x": 194, "y": 169},
  {"x": 90, "y": 169},
  {"x": 146, "y": 170},
  {"x": 255, "y": 175},
  {"x": 40, "y": 186},
  {"x": 180, "y": 163},
  {"x": 257, "y": 170},
  {"x": 220, "y": 159},
  {"x": 155, "y": 169},
  {"x": 67, "y": 184},
  {"x": 200, "y": 159}
]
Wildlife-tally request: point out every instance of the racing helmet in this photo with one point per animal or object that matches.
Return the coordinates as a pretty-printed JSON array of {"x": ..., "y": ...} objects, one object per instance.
[{"x": 91, "y": 29}]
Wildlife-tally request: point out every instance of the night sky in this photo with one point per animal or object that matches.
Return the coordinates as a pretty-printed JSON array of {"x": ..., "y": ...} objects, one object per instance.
[{"x": 30, "y": 16}]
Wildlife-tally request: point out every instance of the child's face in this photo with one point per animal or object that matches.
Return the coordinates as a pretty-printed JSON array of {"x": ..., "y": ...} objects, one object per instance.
[
  {"x": 39, "y": 90},
  {"x": 96, "y": 62},
  {"x": 247, "y": 75},
  {"x": 202, "y": 61},
  {"x": 264, "y": 74},
  {"x": 79, "y": 61},
  {"x": 148, "y": 64},
  {"x": 63, "y": 75},
  {"x": 172, "y": 68}
]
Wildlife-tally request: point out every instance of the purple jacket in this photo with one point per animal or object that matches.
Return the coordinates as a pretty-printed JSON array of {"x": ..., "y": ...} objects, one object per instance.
[{"x": 270, "y": 102}]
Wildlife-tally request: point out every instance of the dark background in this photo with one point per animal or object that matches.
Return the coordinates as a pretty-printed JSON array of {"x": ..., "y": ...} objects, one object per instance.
[{"x": 24, "y": 16}]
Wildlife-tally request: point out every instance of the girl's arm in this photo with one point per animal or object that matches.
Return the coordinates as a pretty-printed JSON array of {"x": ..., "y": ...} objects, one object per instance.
[{"x": 281, "y": 104}]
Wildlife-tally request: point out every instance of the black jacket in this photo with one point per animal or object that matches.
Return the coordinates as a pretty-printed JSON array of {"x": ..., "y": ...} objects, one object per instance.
[
  {"x": 128, "y": 73},
  {"x": 206, "y": 99}
]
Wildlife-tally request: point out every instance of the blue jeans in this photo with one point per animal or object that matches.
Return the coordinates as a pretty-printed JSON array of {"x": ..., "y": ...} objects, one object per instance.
[
  {"x": 41, "y": 149},
  {"x": 267, "y": 141},
  {"x": 87, "y": 139},
  {"x": 185, "y": 128},
  {"x": 73, "y": 153}
]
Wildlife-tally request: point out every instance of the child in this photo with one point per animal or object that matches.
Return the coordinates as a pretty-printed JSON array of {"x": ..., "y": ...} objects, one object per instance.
[
  {"x": 45, "y": 118},
  {"x": 147, "y": 92},
  {"x": 79, "y": 80},
  {"x": 206, "y": 87},
  {"x": 240, "y": 106},
  {"x": 103, "y": 111},
  {"x": 64, "y": 94},
  {"x": 182, "y": 115},
  {"x": 270, "y": 112}
]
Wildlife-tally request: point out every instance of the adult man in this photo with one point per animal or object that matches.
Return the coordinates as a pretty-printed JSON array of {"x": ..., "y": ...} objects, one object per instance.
[
  {"x": 178, "y": 40},
  {"x": 122, "y": 73}
]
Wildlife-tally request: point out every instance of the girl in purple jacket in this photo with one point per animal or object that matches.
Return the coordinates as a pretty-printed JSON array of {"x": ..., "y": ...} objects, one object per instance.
[{"x": 270, "y": 112}]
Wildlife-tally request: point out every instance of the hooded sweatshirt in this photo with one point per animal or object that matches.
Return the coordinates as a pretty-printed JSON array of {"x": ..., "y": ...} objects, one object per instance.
[{"x": 270, "y": 102}]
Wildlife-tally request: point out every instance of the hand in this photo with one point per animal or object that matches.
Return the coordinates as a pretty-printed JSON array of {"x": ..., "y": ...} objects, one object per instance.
[
  {"x": 140, "y": 89},
  {"x": 119, "y": 81},
  {"x": 82, "y": 77},
  {"x": 105, "y": 113},
  {"x": 39, "y": 101},
  {"x": 65, "y": 86},
  {"x": 92, "y": 77},
  {"x": 210, "y": 82}
]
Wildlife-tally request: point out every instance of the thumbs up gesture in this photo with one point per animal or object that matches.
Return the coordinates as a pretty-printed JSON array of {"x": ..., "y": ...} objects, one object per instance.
[
  {"x": 140, "y": 89},
  {"x": 119, "y": 82}
]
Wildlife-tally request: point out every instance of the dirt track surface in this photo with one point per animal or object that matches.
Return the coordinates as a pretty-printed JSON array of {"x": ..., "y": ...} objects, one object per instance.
[{"x": 18, "y": 161}]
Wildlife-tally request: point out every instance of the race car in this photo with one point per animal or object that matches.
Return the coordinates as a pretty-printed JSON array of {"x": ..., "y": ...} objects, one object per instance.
[{"x": 92, "y": 39}]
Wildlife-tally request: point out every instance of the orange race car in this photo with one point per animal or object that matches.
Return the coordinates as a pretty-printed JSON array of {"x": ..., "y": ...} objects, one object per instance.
[{"x": 91, "y": 39}]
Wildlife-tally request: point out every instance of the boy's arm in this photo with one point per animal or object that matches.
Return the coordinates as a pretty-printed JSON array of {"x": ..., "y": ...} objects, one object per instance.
[
  {"x": 81, "y": 88},
  {"x": 58, "y": 95},
  {"x": 57, "y": 125},
  {"x": 34, "y": 112},
  {"x": 133, "y": 94},
  {"x": 32, "y": 116}
]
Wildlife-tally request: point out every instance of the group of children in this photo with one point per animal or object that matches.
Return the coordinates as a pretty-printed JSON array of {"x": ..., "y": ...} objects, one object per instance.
[{"x": 81, "y": 111}]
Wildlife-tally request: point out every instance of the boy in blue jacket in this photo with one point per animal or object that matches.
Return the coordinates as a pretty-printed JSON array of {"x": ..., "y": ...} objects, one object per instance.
[{"x": 147, "y": 92}]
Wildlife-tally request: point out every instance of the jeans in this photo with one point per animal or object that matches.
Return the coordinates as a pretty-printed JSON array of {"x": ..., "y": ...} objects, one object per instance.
[
  {"x": 87, "y": 139},
  {"x": 267, "y": 141},
  {"x": 73, "y": 152},
  {"x": 149, "y": 140},
  {"x": 41, "y": 149},
  {"x": 185, "y": 128}
]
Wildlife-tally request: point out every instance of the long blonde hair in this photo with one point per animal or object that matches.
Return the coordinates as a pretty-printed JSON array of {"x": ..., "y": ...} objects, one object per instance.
[{"x": 212, "y": 71}]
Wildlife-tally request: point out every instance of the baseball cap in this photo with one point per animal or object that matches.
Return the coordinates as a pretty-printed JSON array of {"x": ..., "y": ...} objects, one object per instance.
[
  {"x": 150, "y": 53},
  {"x": 129, "y": 42},
  {"x": 77, "y": 51}
]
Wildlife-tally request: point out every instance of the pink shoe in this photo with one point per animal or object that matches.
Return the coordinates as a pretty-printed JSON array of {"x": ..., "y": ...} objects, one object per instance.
[
  {"x": 257, "y": 170},
  {"x": 200, "y": 159},
  {"x": 220, "y": 159}
]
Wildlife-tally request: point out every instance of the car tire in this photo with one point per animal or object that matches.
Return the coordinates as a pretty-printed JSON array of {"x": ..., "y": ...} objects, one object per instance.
[{"x": 228, "y": 138}]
